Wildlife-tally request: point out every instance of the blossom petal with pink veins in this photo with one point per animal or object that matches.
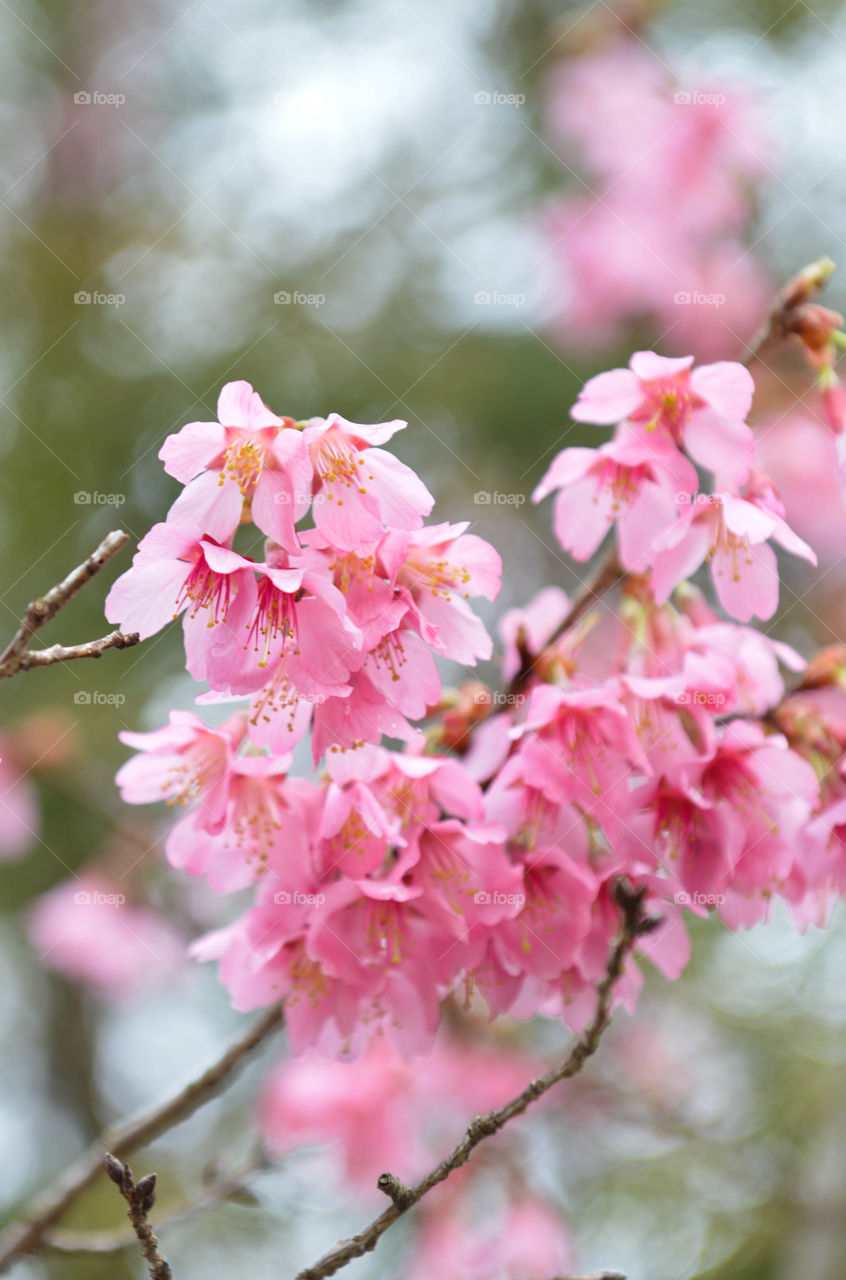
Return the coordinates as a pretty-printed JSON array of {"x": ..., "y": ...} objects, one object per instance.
[
  {"x": 583, "y": 514},
  {"x": 213, "y": 508},
  {"x": 648, "y": 365},
  {"x": 680, "y": 553},
  {"x": 144, "y": 599},
  {"x": 640, "y": 522},
  {"x": 192, "y": 449},
  {"x": 747, "y": 519},
  {"x": 363, "y": 716},
  {"x": 274, "y": 508},
  {"x": 370, "y": 432},
  {"x": 460, "y": 634},
  {"x": 403, "y": 497},
  {"x": 632, "y": 447},
  {"x": 482, "y": 563},
  {"x": 783, "y": 534},
  {"x": 746, "y": 580},
  {"x": 328, "y": 645},
  {"x": 569, "y": 465},
  {"x": 239, "y": 406},
  {"x": 725, "y": 446},
  {"x": 726, "y": 386},
  {"x": 402, "y": 668},
  {"x": 608, "y": 397},
  {"x": 348, "y": 519}
]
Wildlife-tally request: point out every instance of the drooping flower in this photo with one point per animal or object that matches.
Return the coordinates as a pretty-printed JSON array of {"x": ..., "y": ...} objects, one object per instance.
[
  {"x": 361, "y": 490},
  {"x": 671, "y": 403},
  {"x": 626, "y": 482},
  {"x": 258, "y": 457},
  {"x": 438, "y": 569},
  {"x": 732, "y": 533}
]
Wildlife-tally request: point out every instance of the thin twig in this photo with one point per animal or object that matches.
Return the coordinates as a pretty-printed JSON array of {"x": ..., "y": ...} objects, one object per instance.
[
  {"x": 26, "y": 1234},
  {"x": 635, "y": 924},
  {"x": 17, "y": 657},
  {"x": 228, "y": 1186},
  {"x": 67, "y": 653},
  {"x": 140, "y": 1198}
]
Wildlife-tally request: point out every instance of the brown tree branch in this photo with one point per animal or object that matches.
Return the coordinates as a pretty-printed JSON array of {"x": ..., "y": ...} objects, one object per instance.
[
  {"x": 18, "y": 657},
  {"x": 635, "y": 924},
  {"x": 140, "y": 1198},
  {"x": 25, "y": 1235},
  {"x": 67, "y": 653}
]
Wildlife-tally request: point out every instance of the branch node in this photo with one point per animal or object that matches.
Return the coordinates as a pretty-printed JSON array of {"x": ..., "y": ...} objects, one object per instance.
[{"x": 396, "y": 1191}]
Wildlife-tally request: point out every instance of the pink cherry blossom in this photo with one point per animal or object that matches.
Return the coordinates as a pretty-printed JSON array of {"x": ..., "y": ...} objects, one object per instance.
[
  {"x": 86, "y": 930},
  {"x": 259, "y": 457},
  {"x": 732, "y": 533},
  {"x": 623, "y": 481},
  {"x": 183, "y": 763},
  {"x": 359, "y": 489},
  {"x": 437, "y": 571},
  {"x": 702, "y": 409}
]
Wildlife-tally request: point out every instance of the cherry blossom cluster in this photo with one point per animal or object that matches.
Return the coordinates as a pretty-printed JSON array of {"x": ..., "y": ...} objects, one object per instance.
[
  {"x": 657, "y": 228},
  {"x": 337, "y": 625},
  {"x": 460, "y": 846}
]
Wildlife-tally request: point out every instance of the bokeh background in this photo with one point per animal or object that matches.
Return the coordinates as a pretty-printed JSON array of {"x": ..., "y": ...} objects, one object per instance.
[{"x": 348, "y": 205}]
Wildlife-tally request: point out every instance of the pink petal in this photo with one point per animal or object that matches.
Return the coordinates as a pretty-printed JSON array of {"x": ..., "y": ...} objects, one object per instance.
[
  {"x": 726, "y": 386},
  {"x": 725, "y": 446},
  {"x": 239, "y": 406},
  {"x": 648, "y": 366},
  {"x": 608, "y": 397},
  {"x": 192, "y": 449},
  {"x": 746, "y": 581},
  {"x": 145, "y": 598}
]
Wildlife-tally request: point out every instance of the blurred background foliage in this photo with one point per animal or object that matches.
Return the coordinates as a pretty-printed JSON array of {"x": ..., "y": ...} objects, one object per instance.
[{"x": 335, "y": 152}]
